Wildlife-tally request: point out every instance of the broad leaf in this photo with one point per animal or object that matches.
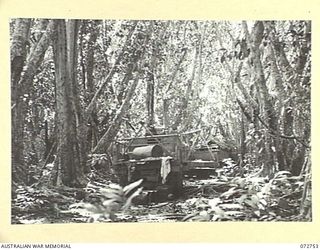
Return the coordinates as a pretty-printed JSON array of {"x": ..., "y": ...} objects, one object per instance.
[
  {"x": 129, "y": 200},
  {"x": 112, "y": 194},
  {"x": 127, "y": 189}
]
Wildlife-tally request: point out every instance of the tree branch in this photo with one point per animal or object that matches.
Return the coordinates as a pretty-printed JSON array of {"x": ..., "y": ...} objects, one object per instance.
[{"x": 276, "y": 134}]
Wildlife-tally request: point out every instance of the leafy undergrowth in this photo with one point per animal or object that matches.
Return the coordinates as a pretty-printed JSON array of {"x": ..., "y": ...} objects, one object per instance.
[{"x": 251, "y": 198}]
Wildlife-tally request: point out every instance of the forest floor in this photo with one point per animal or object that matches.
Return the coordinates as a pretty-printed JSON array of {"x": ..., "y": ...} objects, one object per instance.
[
  {"x": 34, "y": 207},
  {"x": 216, "y": 198}
]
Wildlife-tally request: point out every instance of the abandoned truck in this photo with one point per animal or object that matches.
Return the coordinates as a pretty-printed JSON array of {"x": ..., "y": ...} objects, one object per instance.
[{"x": 162, "y": 161}]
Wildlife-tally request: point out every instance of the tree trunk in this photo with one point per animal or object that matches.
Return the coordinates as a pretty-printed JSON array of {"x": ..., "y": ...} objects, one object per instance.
[
  {"x": 187, "y": 120},
  {"x": 166, "y": 98},
  {"x": 282, "y": 155},
  {"x": 69, "y": 163},
  {"x": 90, "y": 63},
  {"x": 151, "y": 84},
  {"x": 165, "y": 108},
  {"x": 18, "y": 49},
  {"x": 82, "y": 57},
  {"x": 271, "y": 146},
  {"x": 183, "y": 109},
  {"x": 242, "y": 145},
  {"x": 150, "y": 100},
  {"x": 106, "y": 140},
  {"x": 18, "y": 56}
]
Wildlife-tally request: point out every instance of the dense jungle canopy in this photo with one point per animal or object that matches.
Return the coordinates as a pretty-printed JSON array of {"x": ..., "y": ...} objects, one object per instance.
[{"x": 78, "y": 86}]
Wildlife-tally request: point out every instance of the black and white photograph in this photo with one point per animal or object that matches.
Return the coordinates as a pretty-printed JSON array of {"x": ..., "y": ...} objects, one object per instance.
[{"x": 122, "y": 120}]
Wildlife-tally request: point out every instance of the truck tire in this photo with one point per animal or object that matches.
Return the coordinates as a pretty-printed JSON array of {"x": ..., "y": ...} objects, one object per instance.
[{"x": 175, "y": 183}]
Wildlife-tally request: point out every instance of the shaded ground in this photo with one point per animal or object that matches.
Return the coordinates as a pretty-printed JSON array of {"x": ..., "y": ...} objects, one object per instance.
[{"x": 223, "y": 198}]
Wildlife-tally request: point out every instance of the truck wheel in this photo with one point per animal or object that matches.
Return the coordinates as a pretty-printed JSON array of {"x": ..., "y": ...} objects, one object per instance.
[{"x": 174, "y": 181}]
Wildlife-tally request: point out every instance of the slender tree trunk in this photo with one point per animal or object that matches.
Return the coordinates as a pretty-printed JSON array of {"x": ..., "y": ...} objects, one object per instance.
[
  {"x": 83, "y": 67},
  {"x": 166, "y": 98},
  {"x": 165, "y": 108},
  {"x": 151, "y": 86},
  {"x": 187, "y": 119},
  {"x": 304, "y": 50},
  {"x": 106, "y": 140},
  {"x": 242, "y": 145},
  {"x": 183, "y": 109},
  {"x": 90, "y": 63},
  {"x": 150, "y": 99},
  {"x": 244, "y": 108}
]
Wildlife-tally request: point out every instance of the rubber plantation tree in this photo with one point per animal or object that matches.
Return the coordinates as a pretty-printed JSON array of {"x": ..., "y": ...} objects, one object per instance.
[{"x": 70, "y": 161}]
